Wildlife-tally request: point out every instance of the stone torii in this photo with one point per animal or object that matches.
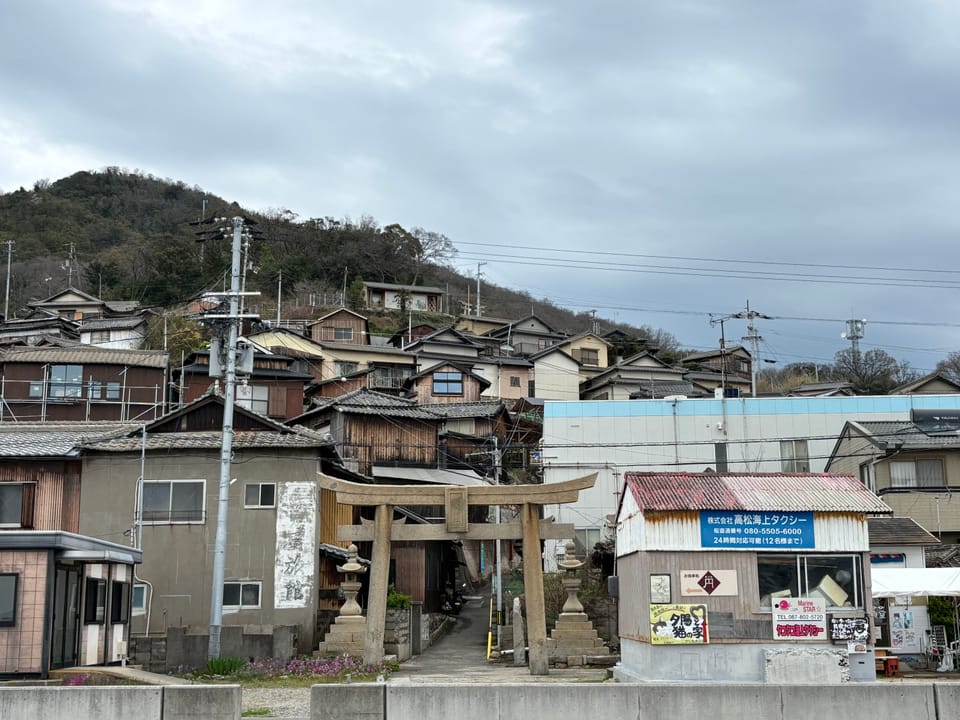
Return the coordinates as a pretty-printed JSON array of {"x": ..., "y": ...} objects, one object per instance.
[{"x": 456, "y": 500}]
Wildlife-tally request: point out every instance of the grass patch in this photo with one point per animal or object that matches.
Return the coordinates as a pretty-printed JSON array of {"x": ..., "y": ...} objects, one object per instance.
[{"x": 256, "y": 712}]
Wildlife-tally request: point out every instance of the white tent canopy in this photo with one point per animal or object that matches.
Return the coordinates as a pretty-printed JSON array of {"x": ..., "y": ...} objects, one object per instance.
[{"x": 915, "y": 582}]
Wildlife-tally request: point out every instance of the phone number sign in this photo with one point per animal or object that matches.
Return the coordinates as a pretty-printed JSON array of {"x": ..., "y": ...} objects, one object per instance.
[{"x": 740, "y": 530}]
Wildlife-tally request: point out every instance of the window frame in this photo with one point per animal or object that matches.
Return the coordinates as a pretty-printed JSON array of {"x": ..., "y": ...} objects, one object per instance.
[
  {"x": 12, "y": 585},
  {"x": 913, "y": 482},
  {"x": 99, "y": 336},
  {"x": 258, "y": 400},
  {"x": 515, "y": 381},
  {"x": 65, "y": 382},
  {"x": 260, "y": 505},
  {"x": 445, "y": 382},
  {"x": 583, "y": 543},
  {"x": 27, "y": 499},
  {"x": 94, "y": 601},
  {"x": 343, "y": 334},
  {"x": 112, "y": 390},
  {"x": 802, "y": 574},
  {"x": 202, "y": 512},
  {"x": 241, "y": 606},
  {"x": 138, "y": 608},
  {"x": 790, "y": 461},
  {"x": 119, "y": 602}
]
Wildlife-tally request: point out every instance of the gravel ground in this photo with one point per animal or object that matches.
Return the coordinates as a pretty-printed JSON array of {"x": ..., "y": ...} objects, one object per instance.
[{"x": 284, "y": 703}]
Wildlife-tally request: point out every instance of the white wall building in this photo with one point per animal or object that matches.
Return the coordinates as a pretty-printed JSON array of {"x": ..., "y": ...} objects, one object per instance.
[{"x": 737, "y": 435}]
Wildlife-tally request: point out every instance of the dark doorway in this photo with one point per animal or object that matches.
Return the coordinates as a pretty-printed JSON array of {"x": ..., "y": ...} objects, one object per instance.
[{"x": 66, "y": 617}]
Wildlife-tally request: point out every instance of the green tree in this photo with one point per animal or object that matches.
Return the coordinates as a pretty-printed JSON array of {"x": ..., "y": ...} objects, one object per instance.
[
  {"x": 874, "y": 372},
  {"x": 355, "y": 295},
  {"x": 177, "y": 333}
]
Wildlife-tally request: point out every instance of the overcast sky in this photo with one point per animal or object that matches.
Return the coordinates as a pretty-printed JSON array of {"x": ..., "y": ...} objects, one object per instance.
[{"x": 656, "y": 161}]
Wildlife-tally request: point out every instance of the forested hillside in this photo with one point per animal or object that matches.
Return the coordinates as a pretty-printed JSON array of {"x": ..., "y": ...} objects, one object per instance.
[{"x": 126, "y": 236}]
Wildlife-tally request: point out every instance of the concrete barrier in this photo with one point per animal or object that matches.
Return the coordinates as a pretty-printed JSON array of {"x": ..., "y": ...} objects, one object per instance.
[
  {"x": 168, "y": 702},
  {"x": 728, "y": 701}
]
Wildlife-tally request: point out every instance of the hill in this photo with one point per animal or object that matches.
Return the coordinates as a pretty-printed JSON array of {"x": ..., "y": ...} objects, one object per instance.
[{"x": 126, "y": 236}]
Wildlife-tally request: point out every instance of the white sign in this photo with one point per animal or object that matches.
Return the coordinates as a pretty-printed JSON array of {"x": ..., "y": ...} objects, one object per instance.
[
  {"x": 800, "y": 619},
  {"x": 708, "y": 582},
  {"x": 296, "y": 526}
]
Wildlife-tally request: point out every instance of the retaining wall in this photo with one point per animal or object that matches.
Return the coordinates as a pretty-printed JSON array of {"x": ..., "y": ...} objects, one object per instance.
[
  {"x": 167, "y": 702},
  {"x": 473, "y": 701}
]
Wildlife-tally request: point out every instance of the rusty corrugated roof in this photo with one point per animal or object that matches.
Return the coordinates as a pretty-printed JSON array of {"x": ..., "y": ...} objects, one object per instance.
[
  {"x": 817, "y": 492},
  {"x": 86, "y": 354}
]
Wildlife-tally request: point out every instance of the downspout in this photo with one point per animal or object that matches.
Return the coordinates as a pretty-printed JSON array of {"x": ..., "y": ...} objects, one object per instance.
[{"x": 138, "y": 533}]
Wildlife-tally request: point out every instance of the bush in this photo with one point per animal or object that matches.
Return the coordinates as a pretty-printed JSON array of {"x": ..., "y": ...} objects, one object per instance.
[
  {"x": 224, "y": 666},
  {"x": 397, "y": 599}
]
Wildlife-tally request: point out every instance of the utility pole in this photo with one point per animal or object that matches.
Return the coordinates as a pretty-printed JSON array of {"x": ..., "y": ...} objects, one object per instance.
[
  {"x": 6, "y": 298},
  {"x": 232, "y": 320},
  {"x": 479, "y": 265},
  {"x": 754, "y": 339},
  {"x": 279, "y": 295}
]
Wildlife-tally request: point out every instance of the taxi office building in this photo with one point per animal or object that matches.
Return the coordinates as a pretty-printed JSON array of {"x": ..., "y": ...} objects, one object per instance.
[{"x": 744, "y": 578}]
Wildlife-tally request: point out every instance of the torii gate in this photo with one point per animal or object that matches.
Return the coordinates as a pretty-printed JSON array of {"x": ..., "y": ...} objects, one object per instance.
[{"x": 456, "y": 499}]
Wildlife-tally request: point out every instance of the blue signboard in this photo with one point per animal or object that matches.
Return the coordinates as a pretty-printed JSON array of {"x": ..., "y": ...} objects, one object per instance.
[{"x": 742, "y": 530}]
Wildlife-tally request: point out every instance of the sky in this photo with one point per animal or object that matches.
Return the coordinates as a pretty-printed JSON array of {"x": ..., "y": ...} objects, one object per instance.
[{"x": 663, "y": 163}]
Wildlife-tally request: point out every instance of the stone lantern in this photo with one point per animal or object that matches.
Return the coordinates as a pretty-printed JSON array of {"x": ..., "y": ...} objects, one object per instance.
[
  {"x": 573, "y": 640},
  {"x": 347, "y": 634}
]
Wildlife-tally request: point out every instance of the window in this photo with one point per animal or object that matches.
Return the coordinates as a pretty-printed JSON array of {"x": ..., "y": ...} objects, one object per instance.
[
  {"x": 585, "y": 539},
  {"x": 66, "y": 381},
  {"x": 916, "y": 473},
  {"x": 720, "y": 457},
  {"x": 259, "y": 495},
  {"x": 342, "y": 367},
  {"x": 8, "y": 599},
  {"x": 94, "y": 389},
  {"x": 342, "y": 333},
  {"x": 95, "y": 601},
  {"x": 119, "y": 602},
  {"x": 170, "y": 501},
  {"x": 99, "y": 336},
  {"x": 448, "y": 383},
  {"x": 835, "y": 578},
  {"x": 589, "y": 356},
  {"x": 36, "y": 389},
  {"x": 139, "y": 599},
  {"x": 254, "y": 397},
  {"x": 113, "y": 391},
  {"x": 241, "y": 595},
  {"x": 794, "y": 456},
  {"x": 514, "y": 381},
  {"x": 16, "y": 504}
]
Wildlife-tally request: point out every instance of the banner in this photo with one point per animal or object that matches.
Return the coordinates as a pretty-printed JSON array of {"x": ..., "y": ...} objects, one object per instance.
[{"x": 799, "y": 619}]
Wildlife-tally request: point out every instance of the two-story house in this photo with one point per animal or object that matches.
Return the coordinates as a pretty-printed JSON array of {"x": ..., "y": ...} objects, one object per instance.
[
  {"x": 390, "y": 296},
  {"x": 65, "y": 598},
  {"x": 82, "y": 383},
  {"x": 914, "y": 465}
]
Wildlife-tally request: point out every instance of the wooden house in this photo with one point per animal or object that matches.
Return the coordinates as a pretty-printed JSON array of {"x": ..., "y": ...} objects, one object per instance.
[{"x": 342, "y": 326}]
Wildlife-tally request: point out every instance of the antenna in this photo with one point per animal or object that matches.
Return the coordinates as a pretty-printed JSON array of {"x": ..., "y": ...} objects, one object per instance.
[{"x": 854, "y": 334}]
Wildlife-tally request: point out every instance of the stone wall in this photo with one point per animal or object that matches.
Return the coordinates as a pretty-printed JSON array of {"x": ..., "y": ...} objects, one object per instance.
[
  {"x": 181, "y": 651},
  {"x": 396, "y": 633},
  {"x": 170, "y": 702}
]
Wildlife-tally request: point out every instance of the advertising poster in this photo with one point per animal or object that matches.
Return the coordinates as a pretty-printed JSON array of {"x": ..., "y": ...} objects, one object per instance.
[
  {"x": 708, "y": 582},
  {"x": 678, "y": 625},
  {"x": 800, "y": 619}
]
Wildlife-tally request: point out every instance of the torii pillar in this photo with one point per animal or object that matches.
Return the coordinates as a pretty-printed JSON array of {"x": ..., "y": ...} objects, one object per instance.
[{"x": 456, "y": 500}]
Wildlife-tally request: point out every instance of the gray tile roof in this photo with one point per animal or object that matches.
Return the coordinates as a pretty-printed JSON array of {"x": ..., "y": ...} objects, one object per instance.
[
  {"x": 465, "y": 410},
  {"x": 86, "y": 354},
  {"x": 898, "y": 531},
  {"x": 20, "y": 440},
  {"x": 371, "y": 402},
  {"x": 115, "y": 323},
  {"x": 242, "y": 439},
  {"x": 893, "y": 432}
]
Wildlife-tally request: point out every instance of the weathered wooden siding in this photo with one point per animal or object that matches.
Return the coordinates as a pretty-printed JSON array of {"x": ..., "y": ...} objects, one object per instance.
[
  {"x": 410, "y": 565},
  {"x": 373, "y": 440},
  {"x": 53, "y": 487},
  {"x": 325, "y": 331}
]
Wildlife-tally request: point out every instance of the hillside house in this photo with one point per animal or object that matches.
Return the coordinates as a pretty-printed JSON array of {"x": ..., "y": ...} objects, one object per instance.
[
  {"x": 389, "y": 296},
  {"x": 342, "y": 326}
]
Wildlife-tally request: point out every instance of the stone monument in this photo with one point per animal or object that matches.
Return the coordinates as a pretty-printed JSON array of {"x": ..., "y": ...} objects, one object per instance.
[
  {"x": 573, "y": 638},
  {"x": 349, "y": 630}
]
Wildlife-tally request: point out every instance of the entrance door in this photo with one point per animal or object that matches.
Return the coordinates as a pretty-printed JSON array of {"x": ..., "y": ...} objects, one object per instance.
[{"x": 66, "y": 617}]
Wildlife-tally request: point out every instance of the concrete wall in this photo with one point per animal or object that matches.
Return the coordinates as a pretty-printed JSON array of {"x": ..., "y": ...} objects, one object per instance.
[
  {"x": 644, "y": 702},
  {"x": 172, "y": 702},
  {"x": 179, "y": 650}
]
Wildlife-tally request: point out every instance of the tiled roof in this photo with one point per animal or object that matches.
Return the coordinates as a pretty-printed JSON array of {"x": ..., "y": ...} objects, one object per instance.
[
  {"x": 86, "y": 354},
  {"x": 793, "y": 492},
  {"x": 211, "y": 440},
  {"x": 370, "y": 402},
  {"x": 898, "y": 531},
  {"x": 465, "y": 410},
  {"x": 126, "y": 322},
  {"x": 907, "y": 435},
  {"x": 50, "y": 439}
]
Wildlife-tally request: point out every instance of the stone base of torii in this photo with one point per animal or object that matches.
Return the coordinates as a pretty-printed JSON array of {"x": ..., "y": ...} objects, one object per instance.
[{"x": 456, "y": 500}]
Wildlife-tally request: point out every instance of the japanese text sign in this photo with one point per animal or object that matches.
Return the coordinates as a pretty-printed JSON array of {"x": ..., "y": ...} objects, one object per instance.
[
  {"x": 678, "y": 625},
  {"x": 743, "y": 530},
  {"x": 799, "y": 619}
]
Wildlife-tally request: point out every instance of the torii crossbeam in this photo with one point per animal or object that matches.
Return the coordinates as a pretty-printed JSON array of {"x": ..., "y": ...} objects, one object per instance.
[{"x": 456, "y": 499}]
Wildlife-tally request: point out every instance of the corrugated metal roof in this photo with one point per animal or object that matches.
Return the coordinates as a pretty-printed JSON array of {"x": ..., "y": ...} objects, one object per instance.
[
  {"x": 130, "y": 321},
  {"x": 817, "y": 492},
  {"x": 898, "y": 531},
  {"x": 86, "y": 354},
  {"x": 288, "y": 340}
]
